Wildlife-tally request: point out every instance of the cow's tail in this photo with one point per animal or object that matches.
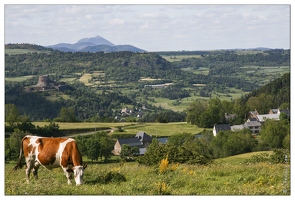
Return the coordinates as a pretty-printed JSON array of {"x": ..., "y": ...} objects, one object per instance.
[{"x": 19, "y": 163}]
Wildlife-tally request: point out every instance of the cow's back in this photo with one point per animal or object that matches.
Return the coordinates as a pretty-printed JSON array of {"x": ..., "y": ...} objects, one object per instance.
[{"x": 46, "y": 151}]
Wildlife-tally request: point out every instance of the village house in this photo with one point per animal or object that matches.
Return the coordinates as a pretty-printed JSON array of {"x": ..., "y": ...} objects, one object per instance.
[
  {"x": 141, "y": 140},
  {"x": 254, "y": 126},
  {"x": 220, "y": 127}
]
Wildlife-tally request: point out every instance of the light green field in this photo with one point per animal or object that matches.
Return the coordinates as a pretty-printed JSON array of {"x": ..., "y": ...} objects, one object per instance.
[
  {"x": 20, "y": 78},
  {"x": 85, "y": 78},
  {"x": 69, "y": 80},
  {"x": 83, "y": 125},
  {"x": 162, "y": 129},
  {"x": 155, "y": 129}
]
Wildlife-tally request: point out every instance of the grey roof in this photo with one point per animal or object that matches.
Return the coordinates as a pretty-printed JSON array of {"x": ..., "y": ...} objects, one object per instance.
[
  {"x": 237, "y": 127},
  {"x": 222, "y": 127},
  {"x": 252, "y": 123},
  {"x": 134, "y": 141},
  {"x": 143, "y": 137},
  {"x": 252, "y": 119}
]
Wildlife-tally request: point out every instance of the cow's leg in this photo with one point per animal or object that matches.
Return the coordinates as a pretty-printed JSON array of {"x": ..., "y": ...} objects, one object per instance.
[
  {"x": 35, "y": 170},
  {"x": 68, "y": 175},
  {"x": 29, "y": 167}
]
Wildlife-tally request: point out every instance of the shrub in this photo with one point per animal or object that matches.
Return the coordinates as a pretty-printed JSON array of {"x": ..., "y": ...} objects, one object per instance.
[{"x": 111, "y": 176}]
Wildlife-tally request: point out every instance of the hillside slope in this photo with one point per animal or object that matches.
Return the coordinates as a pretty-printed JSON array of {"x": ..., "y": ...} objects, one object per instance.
[{"x": 280, "y": 88}]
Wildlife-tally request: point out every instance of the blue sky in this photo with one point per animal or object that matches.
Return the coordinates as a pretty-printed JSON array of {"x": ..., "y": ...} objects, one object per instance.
[{"x": 152, "y": 27}]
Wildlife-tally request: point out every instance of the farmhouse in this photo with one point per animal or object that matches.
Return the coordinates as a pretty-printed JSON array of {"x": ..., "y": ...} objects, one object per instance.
[
  {"x": 254, "y": 126},
  {"x": 141, "y": 140}
]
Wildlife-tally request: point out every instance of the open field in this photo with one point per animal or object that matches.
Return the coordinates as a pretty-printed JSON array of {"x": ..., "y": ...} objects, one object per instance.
[
  {"x": 85, "y": 79},
  {"x": 227, "y": 176},
  {"x": 162, "y": 129},
  {"x": 155, "y": 129},
  {"x": 83, "y": 125},
  {"x": 20, "y": 78}
]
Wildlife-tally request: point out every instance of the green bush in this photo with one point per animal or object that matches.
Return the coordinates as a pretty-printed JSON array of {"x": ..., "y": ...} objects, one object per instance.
[{"x": 114, "y": 177}]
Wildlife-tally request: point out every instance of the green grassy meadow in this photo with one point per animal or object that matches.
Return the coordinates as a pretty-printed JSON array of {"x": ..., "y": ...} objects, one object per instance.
[
  {"x": 226, "y": 176},
  {"x": 155, "y": 129}
]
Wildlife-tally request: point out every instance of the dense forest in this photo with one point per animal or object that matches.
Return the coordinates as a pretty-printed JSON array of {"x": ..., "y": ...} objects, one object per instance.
[{"x": 125, "y": 70}]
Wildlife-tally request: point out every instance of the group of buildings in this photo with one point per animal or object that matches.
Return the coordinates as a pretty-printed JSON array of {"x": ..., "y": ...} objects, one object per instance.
[
  {"x": 142, "y": 140},
  {"x": 254, "y": 121}
]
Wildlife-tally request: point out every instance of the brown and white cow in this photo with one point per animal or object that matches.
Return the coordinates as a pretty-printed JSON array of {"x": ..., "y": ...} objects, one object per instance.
[{"x": 52, "y": 153}]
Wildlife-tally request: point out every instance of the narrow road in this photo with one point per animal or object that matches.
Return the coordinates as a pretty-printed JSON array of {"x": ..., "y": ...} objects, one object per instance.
[{"x": 93, "y": 132}]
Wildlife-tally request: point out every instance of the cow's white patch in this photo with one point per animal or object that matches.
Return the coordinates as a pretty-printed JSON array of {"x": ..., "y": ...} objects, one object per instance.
[{"x": 60, "y": 150}]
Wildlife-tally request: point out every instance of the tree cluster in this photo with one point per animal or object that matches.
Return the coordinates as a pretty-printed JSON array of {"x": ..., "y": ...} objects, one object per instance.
[
  {"x": 97, "y": 146},
  {"x": 180, "y": 148}
]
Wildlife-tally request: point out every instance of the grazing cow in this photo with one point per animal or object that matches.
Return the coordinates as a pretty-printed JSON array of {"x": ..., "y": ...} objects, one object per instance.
[{"x": 52, "y": 153}]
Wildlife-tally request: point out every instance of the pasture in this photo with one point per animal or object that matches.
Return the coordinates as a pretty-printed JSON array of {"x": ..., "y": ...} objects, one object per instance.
[
  {"x": 226, "y": 176},
  {"x": 19, "y": 78},
  {"x": 155, "y": 129}
]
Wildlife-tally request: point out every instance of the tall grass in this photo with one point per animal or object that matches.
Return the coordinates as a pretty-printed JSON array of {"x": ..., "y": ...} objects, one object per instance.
[{"x": 218, "y": 178}]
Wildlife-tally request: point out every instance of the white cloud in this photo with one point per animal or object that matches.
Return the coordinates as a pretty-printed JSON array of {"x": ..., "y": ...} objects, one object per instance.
[
  {"x": 151, "y": 27},
  {"x": 116, "y": 21}
]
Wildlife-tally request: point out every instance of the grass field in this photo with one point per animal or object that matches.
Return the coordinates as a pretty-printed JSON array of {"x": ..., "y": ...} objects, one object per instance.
[
  {"x": 162, "y": 129},
  {"x": 85, "y": 78},
  {"x": 20, "y": 78},
  {"x": 155, "y": 129},
  {"x": 83, "y": 125},
  {"x": 227, "y": 176}
]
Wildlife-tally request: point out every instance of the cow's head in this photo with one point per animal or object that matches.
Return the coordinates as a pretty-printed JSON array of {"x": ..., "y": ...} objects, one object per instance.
[{"x": 79, "y": 173}]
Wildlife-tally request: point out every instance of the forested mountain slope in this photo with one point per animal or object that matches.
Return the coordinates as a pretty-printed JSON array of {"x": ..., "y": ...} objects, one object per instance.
[{"x": 279, "y": 89}]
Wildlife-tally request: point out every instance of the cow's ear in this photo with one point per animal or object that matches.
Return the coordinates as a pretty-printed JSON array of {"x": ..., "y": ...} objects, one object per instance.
[
  {"x": 84, "y": 166},
  {"x": 70, "y": 171}
]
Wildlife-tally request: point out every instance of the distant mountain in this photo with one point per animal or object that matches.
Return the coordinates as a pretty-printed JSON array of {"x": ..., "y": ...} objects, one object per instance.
[
  {"x": 94, "y": 44},
  {"x": 107, "y": 48},
  {"x": 98, "y": 40}
]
